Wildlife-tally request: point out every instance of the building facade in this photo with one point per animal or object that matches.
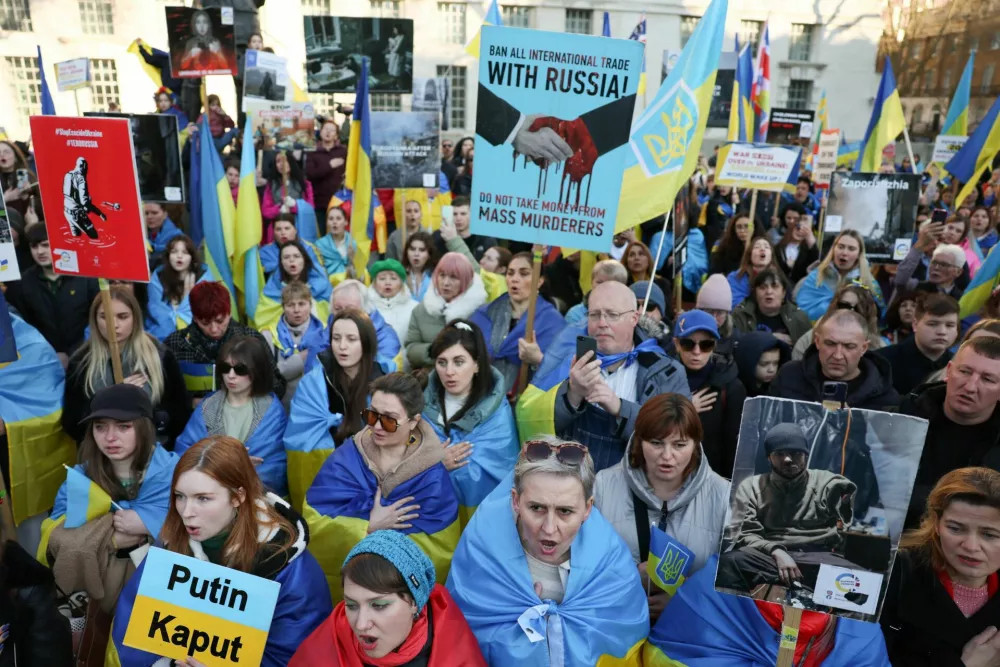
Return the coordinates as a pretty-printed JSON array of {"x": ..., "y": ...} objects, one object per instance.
[{"x": 829, "y": 45}]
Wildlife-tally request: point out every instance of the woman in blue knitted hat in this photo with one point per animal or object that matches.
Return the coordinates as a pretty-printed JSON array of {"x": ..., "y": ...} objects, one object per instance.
[{"x": 393, "y": 613}]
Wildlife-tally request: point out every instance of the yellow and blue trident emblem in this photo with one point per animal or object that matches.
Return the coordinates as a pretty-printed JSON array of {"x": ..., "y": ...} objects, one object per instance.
[
  {"x": 669, "y": 561},
  {"x": 667, "y": 131}
]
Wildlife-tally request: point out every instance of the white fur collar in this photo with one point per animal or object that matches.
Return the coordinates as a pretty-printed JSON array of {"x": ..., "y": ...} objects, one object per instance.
[
  {"x": 461, "y": 306},
  {"x": 403, "y": 297}
]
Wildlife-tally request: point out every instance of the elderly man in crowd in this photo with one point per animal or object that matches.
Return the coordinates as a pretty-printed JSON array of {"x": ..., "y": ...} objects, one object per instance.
[{"x": 603, "y": 271}]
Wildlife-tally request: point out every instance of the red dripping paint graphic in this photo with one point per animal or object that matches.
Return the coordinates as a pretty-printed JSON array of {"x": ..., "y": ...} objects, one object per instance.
[{"x": 579, "y": 166}]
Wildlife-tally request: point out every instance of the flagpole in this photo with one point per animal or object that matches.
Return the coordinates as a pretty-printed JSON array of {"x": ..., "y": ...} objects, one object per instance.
[{"x": 909, "y": 149}]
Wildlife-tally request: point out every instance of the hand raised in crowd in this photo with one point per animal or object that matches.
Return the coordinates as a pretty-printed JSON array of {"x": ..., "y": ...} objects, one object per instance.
[
  {"x": 448, "y": 231},
  {"x": 289, "y": 202},
  {"x": 704, "y": 399},
  {"x": 129, "y": 523},
  {"x": 529, "y": 352},
  {"x": 582, "y": 375},
  {"x": 392, "y": 517},
  {"x": 656, "y": 598},
  {"x": 30, "y": 215},
  {"x": 930, "y": 234},
  {"x": 12, "y": 194},
  {"x": 601, "y": 394},
  {"x": 983, "y": 650},
  {"x": 788, "y": 571},
  {"x": 456, "y": 456}
]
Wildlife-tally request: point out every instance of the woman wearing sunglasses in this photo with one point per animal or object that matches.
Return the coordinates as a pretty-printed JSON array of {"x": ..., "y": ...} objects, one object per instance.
[
  {"x": 388, "y": 476},
  {"x": 845, "y": 262},
  {"x": 244, "y": 407},
  {"x": 534, "y": 549},
  {"x": 852, "y": 296},
  {"x": 330, "y": 398}
]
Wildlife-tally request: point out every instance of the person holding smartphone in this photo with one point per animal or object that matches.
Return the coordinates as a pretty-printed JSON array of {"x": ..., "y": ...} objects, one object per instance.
[{"x": 17, "y": 181}]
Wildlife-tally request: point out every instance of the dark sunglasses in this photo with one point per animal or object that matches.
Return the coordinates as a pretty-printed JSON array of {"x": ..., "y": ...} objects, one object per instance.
[
  {"x": 239, "y": 369},
  {"x": 843, "y": 305},
  {"x": 688, "y": 345},
  {"x": 570, "y": 453},
  {"x": 390, "y": 424}
]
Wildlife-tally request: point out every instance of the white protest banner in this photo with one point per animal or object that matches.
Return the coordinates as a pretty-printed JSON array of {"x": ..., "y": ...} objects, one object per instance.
[
  {"x": 283, "y": 126},
  {"x": 946, "y": 146},
  {"x": 73, "y": 74},
  {"x": 758, "y": 166},
  {"x": 265, "y": 78},
  {"x": 826, "y": 157}
]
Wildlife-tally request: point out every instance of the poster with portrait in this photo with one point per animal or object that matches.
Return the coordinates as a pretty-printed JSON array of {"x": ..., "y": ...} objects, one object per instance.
[
  {"x": 335, "y": 46},
  {"x": 881, "y": 207},
  {"x": 791, "y": 127},
  {"x": 265, "y": 77},
  {"x": 157, "y": 155},
  {"x": 818, "y": 503},
  {"x": 433, "y": 95},
  {"x": 89, "y": 188},
  {"x": 283, "y": 125},
  {"x": 406, "y": 149},
  {"x": 552, "y": 131},
  {"x": 9, "y": 269},
  {"x": 202, "y": 41}
]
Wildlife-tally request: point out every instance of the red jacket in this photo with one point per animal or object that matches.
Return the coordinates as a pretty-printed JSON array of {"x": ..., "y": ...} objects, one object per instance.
[{"x": 332, "y": 644}]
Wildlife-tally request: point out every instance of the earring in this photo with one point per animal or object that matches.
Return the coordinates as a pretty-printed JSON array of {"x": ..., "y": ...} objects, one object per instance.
[{"x": 412, "y": 441}]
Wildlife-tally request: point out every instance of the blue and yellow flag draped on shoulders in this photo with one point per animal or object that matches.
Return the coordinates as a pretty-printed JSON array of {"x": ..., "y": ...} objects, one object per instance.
[
  {"x": 307, "y": 436},
  {"x": 886, "y": 123},
  {"x": 666, "y": 139},
  {"x": 340, "y": 501},
  {"x": 703, "y": 628},
  {"x": 164, "y": 317},
  {"x": 31, "y": 394},
  {"x": 603, "y": 617}
]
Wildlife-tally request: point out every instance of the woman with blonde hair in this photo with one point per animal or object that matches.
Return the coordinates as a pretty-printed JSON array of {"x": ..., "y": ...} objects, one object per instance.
[
  {"x": 145, "y": 363},
  {"x": 845, "y": 262},
  {"x": 941, "y": 607}
]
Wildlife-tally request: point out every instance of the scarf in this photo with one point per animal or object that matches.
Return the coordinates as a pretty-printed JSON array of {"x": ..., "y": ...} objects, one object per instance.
[
  {"x": 647, "y": 345},
  {"x": 407, "y": 651}
]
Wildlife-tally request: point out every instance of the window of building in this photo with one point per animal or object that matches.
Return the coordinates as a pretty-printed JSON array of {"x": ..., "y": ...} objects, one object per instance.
[
  {"x": 15, "y": 15},
  {"x": 954, "y": 43},
  {"x": 323, "y": 104},
  {"x": 27, "y": 85},
  {"x": 580, "y": 21},
  {"x": 973, "y": 43},
  {"x": 687, "y": 28},
  {"x": 452, "y": 16},
  {"x": 987, "y": 79},
  {"x": 750, "y": 34},
  {"x": 316, "y": 7},
  {"x": 516, "y": 17},
  {"x": 995, "y": 41},
  {"x": 103, "y": 83},
  {"x": 97, "y": 17},
  {"x": 946, "y": 80},
  {"x": 800, "y": 43},
  {"x": 918, "y": 115},
  {"x": 800, "y": 94},
  {"x": 386, "y": 8},
  {"x": 935, "y": 47},
  {"x": 456, "y": 79},
  {"x": 915, "y": 50},
  {"x": 387, "y": 101},
  {"x": 929, "y": 80}
]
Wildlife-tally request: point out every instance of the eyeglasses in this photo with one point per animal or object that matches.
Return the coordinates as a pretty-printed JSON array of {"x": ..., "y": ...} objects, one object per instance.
[
  {"x": 609, "y": 315},
  {"x": 390, "y": 424},
  {"x": 239, "y": 369},
  {"x": 843, "y": 305},
  {"x": 570, "y": 453},
  {"x": 942, "y": 265},
  {"x": 688, "y": 345}
]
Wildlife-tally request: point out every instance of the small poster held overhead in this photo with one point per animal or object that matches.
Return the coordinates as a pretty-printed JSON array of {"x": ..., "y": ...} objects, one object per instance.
[
  {"x": 202, "y": 42},
  {"x": 791, "y": 127},
  {"x": 157, "y": 155},
  {"x": 433, "y": 95},
  {"x": 406, "y": 149},
  {"x": 947, "y": 146},
  {"x": 335, "y": 46},
  {"x": 283, "y": 125},
  {"x": 552, "y": 131},
  {"x": 760, "y": 166},
  {"x": 265, "y": 77},
  {"x": 881, "y": 207},
  {"x": 73, "y": 74},
  {"x": 90, "y": 195},
  {"x": 826, "y": 158}
]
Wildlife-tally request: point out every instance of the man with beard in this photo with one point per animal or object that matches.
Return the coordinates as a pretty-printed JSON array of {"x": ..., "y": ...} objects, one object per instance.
[{"x": 787, "y": 520}]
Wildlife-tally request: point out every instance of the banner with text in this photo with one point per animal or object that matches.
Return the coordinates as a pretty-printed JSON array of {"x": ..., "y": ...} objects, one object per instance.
[
  {"x": 790, "y": 127},
  {"x": 186, "y": 607},
  {"x": 563, "y": 111},
  {"x": 946, "y": 146},
  {"x": 283, "y": 126},
  {"x": 90, "y": 195},
  {"x": 826, "y": 158},
  {"x": 881, "y": 207},
  {"x": 73, "y": 74},
  {"x": 758, "y": 166},
  {"x": 406, "y": 149}
]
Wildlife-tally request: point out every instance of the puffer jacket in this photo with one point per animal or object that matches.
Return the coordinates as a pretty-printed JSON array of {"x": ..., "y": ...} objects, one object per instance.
[
  {"x": 433, "y": 314},
  {"x": 695, "y": 517}
]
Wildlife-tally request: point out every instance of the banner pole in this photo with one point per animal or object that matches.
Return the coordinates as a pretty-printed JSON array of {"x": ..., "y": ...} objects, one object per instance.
[
  {"x": 109, "y": 327},
  {"x": 656, "y": 262},
  {"x": 789, "y": 636},
  {"x": 529, "y": 325},
  {"x": 753, "y": 216},
  {"x": 822, "y": 223},
  {"x": 76, "y": 100},
  {"x": 909, "y": 150}
]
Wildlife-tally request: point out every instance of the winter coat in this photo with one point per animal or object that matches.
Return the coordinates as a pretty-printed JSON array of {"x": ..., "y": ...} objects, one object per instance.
[
  {"x": 396, "y": 311},
  {"x": 37, "y": 634},
  {"x": 60, "y": 315},
  {"x": 746, "y": 317},
  {"x": 325, "y": 179},
  {"x": 722, "y": 421},
  {"x": 433, "y": 314},
  {"x": 747, "y": 353},
  {"x": 797, "y": 270},
  {"x": 695, "y": 516},
  {"x": 910, "y": 368},
  {"x": 803, "y": 380}
]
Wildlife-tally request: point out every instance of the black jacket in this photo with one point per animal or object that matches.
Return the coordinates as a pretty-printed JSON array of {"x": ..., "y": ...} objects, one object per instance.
[
  {"x": 721, "y": 424},
  {"x": 746, "y": 318},
  {"x": 948, "y": 446},
  {"x": 803, "y": 380},
  {"x": 477, "y": 244},
  {"x": 336, "y": 398},
  {"x": 39, "y": 634},
  {"x": 563, "y": 279},
  {"x": 60, "y": 315},
  {"x": 747, "y": 353},
  {"x": 910, "y": 368},
  {"x": 798, "y": 269},
  {"x": 923, "y": 626}
]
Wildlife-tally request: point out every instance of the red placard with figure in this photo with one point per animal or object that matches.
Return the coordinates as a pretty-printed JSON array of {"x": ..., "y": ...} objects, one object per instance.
[{"x": 90, "y": 195}]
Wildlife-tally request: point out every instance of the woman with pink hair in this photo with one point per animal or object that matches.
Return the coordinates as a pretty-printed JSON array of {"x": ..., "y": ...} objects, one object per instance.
[{"x": 455, "y": 293}]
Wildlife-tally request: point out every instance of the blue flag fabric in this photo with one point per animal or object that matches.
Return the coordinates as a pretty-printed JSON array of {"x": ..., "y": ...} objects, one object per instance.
[
  {"x": 48, "y": 107},
  {"x": 548, "y": 323},
  {"x": 8, "y": 346}
]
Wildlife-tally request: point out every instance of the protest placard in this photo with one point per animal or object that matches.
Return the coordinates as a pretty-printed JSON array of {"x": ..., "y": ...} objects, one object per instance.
[
  {"x": 826, "y": 158},
  {"x": 946, "y": 146},
  {"x": 406, "y": 150},
  {"x": 73, "y": 74},
  {"x": 265, "y": 77},
  {"x": 790, "y": 127},
  {"x": 90, "y": 195},
  {"x": 157, "y": 155},
  {"x": 187, "y": 607},
  {"x": 561, "y": 111},
  {"x": 433, "y": 95},
  {"x": 336, "y": 44},
  {"x": 202, "y": 42},
  {"x": 757, "y": 166},
  {"x": 818, "y": 502},
  {"x": 9, "y": 269},
  {"x": 283, "y": 125},
  {"x": 882, "y": 207},
  {"x": 722, "y": 96}
]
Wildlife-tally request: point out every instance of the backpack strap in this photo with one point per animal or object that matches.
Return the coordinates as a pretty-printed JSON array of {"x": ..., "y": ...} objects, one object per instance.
[{"x": 641, "y": 526}]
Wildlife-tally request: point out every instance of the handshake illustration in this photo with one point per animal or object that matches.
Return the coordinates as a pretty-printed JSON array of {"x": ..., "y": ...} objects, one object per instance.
[{"x": 546, "y": 140}]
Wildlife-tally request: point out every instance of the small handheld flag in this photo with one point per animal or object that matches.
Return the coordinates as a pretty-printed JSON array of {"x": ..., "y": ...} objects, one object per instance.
[
  {"x": 669, "y": 561},
  {"x": 85, "y": 501}
]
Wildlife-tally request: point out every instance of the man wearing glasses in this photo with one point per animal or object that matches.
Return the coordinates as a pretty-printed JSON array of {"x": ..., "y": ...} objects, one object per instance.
[
  {"x": 945, "y": 268},
  {"x": 599, "y": 396}
]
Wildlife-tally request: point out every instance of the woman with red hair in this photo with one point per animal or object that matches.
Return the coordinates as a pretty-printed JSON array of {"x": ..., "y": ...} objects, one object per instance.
[{"x": 221, "y": 514}]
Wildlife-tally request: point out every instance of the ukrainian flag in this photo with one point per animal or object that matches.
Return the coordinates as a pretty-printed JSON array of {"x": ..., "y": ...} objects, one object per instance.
[
  {"x": 741, "y": 118},
  {"x": 977, "y": 154},
  {"x": 492, "y": 18},
  {"x": 669, "y": 561},
  {"x": 248, "y": 275},
  {"x": 31, "y": 394},
  {"x": 606, "y": 30},
  {"x": 85, "y": 501},
  {"x": 982, "y": 285},
  {"x": 639, "y": 35},
  {"x": 822, "y": 116},
  {"x": 666, "y": 139},
  {"x": 217, "y": 211},
  {"x": 359, "y": 175},
  {"x": 198, "y": 377},
  {"x": 886, "y": 123},
  {"x": 848, "y": 154},
  {"x": 956, "y": 123},
  {"x": 48, "y": 107}
]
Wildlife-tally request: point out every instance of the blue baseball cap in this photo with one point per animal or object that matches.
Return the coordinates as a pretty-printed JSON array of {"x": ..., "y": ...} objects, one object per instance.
[{"x": 695, "y": 320}]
